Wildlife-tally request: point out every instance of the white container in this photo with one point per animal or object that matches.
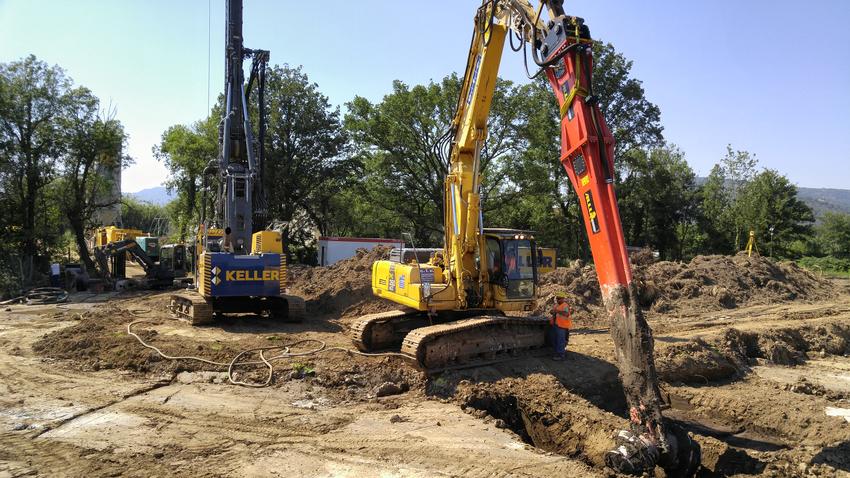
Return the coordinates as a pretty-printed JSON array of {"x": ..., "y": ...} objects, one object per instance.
[{"x": 333, "y": 249}]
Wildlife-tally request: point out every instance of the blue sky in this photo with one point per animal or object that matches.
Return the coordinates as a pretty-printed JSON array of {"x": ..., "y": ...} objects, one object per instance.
[{"x": 771, "y": 77}]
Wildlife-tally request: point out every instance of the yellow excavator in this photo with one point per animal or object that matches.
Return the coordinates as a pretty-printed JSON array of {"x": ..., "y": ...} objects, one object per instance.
[
  {"x": 457, "y": 305},
  {"x": 457, "y": 302}
]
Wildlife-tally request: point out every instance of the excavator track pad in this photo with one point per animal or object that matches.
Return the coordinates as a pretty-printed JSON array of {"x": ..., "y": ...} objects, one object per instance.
[
  {"x": 475, "y": 342},
  {"x": 296, "y": 309},
  {"x": 191, "y": 306},
  {"x": 385, "y": 330},
  {"x": 199, "y": 310},
  {"x": 435, "y": 347}
]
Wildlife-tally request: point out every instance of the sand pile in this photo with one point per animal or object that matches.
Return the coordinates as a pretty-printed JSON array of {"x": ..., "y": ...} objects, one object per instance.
[
  {"x": 705, "y": 283},
  {"x": 344, "y": 288}
]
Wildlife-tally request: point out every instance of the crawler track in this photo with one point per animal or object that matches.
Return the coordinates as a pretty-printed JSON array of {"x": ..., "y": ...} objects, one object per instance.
[
  {"x": 199, "y": 310},
  {"x": 474, "y": 342},
  {"x": 385, "y": 329},
  {"x": 296, "y": 308},
  {"x": 458, "y": 344},
  {"x": 191, "y": 306}
]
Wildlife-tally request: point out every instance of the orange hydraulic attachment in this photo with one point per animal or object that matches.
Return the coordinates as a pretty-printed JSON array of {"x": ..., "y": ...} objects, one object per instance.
[
  {"x": 587, "y": 153},
  {"x": 563, "y": 49}
]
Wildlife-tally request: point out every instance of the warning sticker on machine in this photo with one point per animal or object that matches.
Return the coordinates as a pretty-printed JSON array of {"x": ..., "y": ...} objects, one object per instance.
[
  {"x": 591, "y": 212},
  {"x": 426, "y": 276}
]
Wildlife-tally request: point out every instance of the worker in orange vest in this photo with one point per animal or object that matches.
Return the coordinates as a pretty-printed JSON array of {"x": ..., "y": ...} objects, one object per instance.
[{"x": 561, "y": 322}]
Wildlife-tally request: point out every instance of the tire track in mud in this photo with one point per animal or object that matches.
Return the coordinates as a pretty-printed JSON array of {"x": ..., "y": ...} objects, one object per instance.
[{"x": 140, "y": 391}]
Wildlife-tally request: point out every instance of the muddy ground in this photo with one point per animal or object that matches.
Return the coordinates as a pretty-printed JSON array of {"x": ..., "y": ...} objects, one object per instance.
[{"x": 761, "y": 380}]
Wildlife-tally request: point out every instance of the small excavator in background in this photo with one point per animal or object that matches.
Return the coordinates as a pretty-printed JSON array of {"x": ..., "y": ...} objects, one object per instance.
[
  {"x": 239, "y": 268},
  {"x": 111, "y": 247},
  {"x": 457, "y": 303}
]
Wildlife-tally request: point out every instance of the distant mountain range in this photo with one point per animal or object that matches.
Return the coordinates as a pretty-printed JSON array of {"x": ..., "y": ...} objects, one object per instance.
[
  {"x": 157, "y": 195},
  {"x": 820, "y": 200}
]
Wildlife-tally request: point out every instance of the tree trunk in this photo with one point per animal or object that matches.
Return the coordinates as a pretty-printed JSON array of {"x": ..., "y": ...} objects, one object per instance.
[
  {"x": 30, "y": 246},
  {"x": 82, "y": 246}
]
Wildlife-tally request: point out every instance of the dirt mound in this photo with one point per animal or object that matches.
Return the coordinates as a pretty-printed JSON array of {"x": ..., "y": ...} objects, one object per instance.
[
  {"x": 731, "y": 352},
  {"x": 344, "y": 288},
  {"x": 705, "y": 283},
  {"x": 581, "y": 286},
  {"x": 713, "y": 282}
]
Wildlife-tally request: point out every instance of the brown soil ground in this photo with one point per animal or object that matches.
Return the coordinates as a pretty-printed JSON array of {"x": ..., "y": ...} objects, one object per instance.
[
  {"x": 343, "y": 289},
  {"x": 760, "y": 383}
]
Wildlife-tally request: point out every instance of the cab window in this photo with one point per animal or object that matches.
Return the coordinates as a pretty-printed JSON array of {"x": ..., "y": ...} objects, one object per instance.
[{"x": 494, "y": 260}]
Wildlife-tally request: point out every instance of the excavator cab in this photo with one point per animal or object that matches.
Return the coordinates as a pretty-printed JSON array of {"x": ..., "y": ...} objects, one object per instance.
[{"x": 511, "y": 264}]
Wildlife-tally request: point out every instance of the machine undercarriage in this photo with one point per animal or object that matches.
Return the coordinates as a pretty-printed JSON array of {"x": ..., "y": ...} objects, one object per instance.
[{"x": 456, "y": 339}]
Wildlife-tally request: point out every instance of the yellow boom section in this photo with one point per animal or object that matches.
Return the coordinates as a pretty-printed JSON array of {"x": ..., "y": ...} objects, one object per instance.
[{"x": 463, "y": 222}]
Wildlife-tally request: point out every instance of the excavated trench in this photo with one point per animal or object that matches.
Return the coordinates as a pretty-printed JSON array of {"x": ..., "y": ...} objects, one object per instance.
[
  {"x": 577, "y": 429},
  {"x": 567, "y": 425},
  {"x": 708, "y": 387}
]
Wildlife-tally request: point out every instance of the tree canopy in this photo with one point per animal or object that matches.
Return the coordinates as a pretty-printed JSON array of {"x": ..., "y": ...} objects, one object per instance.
[
  {"x": 58, "y": 149},
  {"x": 375, "y": 169}
]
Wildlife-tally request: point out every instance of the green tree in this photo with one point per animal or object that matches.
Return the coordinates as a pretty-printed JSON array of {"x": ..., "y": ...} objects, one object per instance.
[
  {"x": 769, "y": 206},
  {"x": 549, "y": 204},
  {"x": 143, "y": 215},
  {"x": 833, "y": 234},
  {"x": 739, "y": 168},
  {"x": 657, "y": 201},
  {"x": 715, "y": 214},
  {"x": 306, "y": 160},
  {"x": 34, "y": 97},
  {"x": 94, "y": 147},
  {"x": 722, "y": 206},
  {"x": 186, "y": 151},
  {"x": 395, "y": 141},
  {"x": 634, "y": 121},
  {"x": 398, "y": 141}
]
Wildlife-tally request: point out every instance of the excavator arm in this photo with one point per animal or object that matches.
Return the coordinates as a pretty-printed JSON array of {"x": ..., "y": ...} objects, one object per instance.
[{"x": 562, "y": 48}]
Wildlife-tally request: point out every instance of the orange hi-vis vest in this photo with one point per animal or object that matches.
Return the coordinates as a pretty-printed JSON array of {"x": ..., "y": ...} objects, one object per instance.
[{"x": 563, "y": 317}]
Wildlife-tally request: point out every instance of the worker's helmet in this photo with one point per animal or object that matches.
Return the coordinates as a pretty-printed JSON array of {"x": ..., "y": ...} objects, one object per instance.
[{"x": 560, "y": 295}]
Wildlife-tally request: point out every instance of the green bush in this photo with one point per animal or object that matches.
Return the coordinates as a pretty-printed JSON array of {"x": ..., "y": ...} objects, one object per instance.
[
  {"x": 10, "y": 278},
  {"x": 828, "y": 265}
]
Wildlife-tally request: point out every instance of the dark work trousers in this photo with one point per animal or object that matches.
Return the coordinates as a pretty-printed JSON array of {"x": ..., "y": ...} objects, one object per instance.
[{"x": 560, "y": 339}]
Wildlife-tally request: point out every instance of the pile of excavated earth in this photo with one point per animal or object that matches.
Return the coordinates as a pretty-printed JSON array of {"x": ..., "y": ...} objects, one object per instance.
[
  {"x": 676, "y": 288},
  {"x": 343, "y": 289}
]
